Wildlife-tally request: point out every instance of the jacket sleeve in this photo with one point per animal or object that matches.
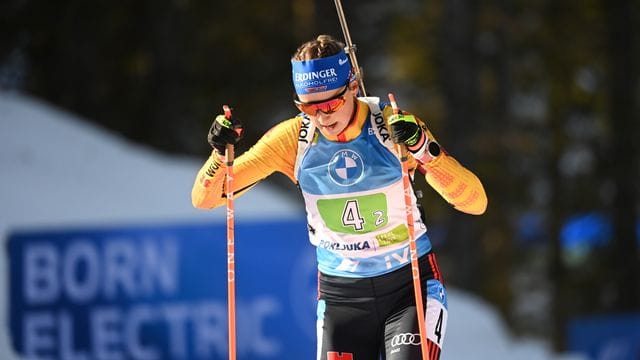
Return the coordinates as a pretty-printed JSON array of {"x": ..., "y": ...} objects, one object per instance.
[
  {"x": 455, "y": 183},
  {"x": 275, "y": 151},
  {"x": 208, "y": 190}
]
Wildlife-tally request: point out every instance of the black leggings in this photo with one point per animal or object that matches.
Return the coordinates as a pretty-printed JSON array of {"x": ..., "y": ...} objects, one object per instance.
[{"x": 375, "y": 318}]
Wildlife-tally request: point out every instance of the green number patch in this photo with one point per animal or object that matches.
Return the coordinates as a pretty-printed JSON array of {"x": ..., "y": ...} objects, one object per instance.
[{"x": 354, "y": 215}]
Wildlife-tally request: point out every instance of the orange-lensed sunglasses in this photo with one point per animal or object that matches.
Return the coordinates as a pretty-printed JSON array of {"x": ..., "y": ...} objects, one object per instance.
[{"x": 327, "y": 106}]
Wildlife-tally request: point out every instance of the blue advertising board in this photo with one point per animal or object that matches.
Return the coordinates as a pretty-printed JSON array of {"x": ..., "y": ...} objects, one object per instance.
[
  {"x": 160, "y": 292},
  {"x": 606, "y": 337}
]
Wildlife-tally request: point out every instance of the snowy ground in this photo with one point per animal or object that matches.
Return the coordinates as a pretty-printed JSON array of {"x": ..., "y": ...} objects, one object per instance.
[{"x": 61, "y": 171}]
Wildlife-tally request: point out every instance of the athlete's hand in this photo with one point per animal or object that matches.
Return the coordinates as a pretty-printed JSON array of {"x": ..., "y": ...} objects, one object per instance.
[
  {"x": 405, "y": 129},
  {"x": 224, "y": 131}
]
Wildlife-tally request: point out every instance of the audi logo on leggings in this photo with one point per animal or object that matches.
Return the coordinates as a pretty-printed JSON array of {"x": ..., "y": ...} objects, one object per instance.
[{"x": 405, "y": 339}]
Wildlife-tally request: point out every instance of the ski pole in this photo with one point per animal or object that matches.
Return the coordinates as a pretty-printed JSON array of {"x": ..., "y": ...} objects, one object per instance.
[
  {"x": 415, "y": 268},
  {"x": 413, "y": 250},
  {"x": 350, "y": 47},
  {"x": 231, "y": 281}
]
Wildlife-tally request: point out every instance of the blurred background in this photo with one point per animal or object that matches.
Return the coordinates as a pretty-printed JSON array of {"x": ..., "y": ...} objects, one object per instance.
[{"x": 541, "y": 98}]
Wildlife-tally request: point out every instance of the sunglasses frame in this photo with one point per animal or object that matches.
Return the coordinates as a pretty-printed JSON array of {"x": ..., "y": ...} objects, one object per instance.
[{"x": 314, "y": 104}]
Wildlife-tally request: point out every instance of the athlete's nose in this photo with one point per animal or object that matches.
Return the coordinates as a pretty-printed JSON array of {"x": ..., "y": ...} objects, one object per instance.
[{"x": 322, "y": 117}]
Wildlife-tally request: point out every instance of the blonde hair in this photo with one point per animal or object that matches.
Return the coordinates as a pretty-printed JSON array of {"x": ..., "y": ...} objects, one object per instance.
[{"x": 322, "y": 46}]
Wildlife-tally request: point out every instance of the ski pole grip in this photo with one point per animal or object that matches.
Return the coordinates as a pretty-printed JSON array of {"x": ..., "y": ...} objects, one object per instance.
[
  {"x": 229, "y": 154},
  {"x": 402, "y": 148},
  {"x": 227, "y": 114},
  {"x": 394, "y": 104},
  {"x": 227, "y": 111}
]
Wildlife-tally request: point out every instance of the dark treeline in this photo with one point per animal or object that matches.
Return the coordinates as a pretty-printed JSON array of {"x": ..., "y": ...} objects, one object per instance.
[{"x": 540, "y": 97}]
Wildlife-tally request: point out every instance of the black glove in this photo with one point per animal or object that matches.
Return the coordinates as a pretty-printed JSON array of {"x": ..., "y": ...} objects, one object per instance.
[
  {"x": 224, "y": 131},
  {"x": 405, "y": 129}
]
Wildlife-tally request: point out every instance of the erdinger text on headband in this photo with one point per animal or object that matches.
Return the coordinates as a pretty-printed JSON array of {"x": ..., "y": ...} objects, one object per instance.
[{"x": 322, "y": 74}]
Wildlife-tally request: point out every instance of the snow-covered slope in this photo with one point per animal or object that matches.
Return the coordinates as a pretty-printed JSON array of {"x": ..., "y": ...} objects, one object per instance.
[{"x": 58, "y": 169}]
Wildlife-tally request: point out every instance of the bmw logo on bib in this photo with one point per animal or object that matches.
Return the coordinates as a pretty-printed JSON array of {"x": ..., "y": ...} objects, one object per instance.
[{"x": 346, "y": 167}]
